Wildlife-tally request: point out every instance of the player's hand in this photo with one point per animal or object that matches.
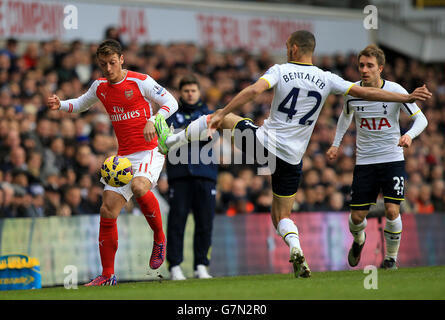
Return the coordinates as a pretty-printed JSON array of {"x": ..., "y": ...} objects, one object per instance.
[
  {"x": 332, "y": 153},
  {"x": 53, "y": 102},
  {"x": 149, "y": 131},
  {"x": 421, "y": 93},
  {"x": 215, "y": 121},
  {"x": 405, "y": 141}
]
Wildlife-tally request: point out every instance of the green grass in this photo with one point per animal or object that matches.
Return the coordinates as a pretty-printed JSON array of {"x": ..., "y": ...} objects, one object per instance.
[{"x": 403, "y": 284}]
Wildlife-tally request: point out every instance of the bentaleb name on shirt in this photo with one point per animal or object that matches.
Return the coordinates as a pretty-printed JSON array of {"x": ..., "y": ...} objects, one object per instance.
[{"x": 304, "y": 76}]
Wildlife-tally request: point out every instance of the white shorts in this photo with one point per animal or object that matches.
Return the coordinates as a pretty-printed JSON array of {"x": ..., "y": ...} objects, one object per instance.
[{"x": 147, "y": 164}]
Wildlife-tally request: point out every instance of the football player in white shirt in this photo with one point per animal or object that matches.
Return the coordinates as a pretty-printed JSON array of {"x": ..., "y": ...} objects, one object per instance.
[
  {"x": 300, "y": 89},
  {"x": 380, "y": 163}
]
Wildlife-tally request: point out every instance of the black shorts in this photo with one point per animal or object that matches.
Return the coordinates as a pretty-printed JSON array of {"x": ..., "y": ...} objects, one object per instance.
[
  {"x": 285, "y": 176},
  {"x": 370, "y": 179}
]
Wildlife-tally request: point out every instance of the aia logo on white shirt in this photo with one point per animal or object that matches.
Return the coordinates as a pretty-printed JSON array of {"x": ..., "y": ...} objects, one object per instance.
[{"x": 374, "y": 124}]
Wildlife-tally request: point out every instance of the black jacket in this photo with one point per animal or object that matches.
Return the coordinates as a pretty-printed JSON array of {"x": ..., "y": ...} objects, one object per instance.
[{"x": 181, "y": 119}]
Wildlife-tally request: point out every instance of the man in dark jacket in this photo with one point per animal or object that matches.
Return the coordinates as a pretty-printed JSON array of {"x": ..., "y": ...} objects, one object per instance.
[{"x": 191, "y": 188}]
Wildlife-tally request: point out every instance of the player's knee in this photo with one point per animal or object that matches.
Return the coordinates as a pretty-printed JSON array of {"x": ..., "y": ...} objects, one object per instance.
[
  {"x": 106, "y": 211},
  {"x": 357, "y": 216},
  {"x": 140, "y": 186},
  {"x": 392, "y": 213}
]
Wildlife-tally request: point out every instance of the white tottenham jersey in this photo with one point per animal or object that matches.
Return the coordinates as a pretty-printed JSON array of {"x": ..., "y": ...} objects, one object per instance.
[
  {"x": 377, "y": 124},
  {"x": 300, "y": 91}
]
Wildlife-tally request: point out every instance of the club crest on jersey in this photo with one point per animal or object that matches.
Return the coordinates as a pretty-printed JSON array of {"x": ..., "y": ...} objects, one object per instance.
[
  {"x": 384, "y": 108},
  {"x": 128, "y": 94}
]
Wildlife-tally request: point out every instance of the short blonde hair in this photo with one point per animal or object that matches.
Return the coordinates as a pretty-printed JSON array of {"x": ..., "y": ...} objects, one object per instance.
[{"x": 373, "y": 51}]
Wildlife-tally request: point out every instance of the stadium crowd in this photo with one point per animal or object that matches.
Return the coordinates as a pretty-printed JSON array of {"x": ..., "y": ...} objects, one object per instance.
[{"x": 50, "y": 161}]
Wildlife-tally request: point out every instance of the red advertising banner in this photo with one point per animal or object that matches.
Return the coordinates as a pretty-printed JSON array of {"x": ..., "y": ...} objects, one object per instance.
[
  {"x": 252, "y": 33},
  {"x": 19, "y": 18}
]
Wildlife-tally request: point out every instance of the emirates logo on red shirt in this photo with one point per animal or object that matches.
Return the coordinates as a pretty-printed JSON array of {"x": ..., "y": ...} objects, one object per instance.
[{"x": 128, "y": 94}]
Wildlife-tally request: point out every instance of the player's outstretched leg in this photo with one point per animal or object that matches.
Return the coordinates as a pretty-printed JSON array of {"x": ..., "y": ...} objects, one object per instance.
[
  {"x": 357, "y": 231},
  {"x": 163, "y": 132},
  {"x": 196, "y": 130}
]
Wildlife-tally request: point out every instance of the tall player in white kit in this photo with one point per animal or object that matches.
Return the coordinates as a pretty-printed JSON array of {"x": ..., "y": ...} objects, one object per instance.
[
  {"x": 127, "y": 97},
  {"x": 380, "y": 162},
  {"x": 300, "y": 90}
]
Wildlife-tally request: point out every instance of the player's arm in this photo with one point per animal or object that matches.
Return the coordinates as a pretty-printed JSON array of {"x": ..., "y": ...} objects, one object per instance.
[
  {"x": 168, "y": 104},
  {"x": 77, "y": 105},
  {"x": 377, "y": 94},
  {"x": 244, "y": 96},
  {"x": 343, "y": 123},
  {"x": 419, "y": 124},
  {"x": 266, "y": 81},
  {"x": 156, "y": 93}
]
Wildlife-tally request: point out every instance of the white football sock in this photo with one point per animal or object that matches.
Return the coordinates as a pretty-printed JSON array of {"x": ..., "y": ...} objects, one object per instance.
[
  {"x": 287, "y": 229},
  {"x": 358, "y": 230},
  {"x": 196, "y": 130},
  {"x": 393, "y": 234}
]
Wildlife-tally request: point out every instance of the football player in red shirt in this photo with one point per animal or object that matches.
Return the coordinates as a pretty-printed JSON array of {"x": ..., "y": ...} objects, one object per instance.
[{"x": 127, "y": 97}]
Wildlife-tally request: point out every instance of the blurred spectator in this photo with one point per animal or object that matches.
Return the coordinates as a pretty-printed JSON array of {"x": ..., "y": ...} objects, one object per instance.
[
  {"x": 437, "y": 196},
  {"x": 263, "y": 202},
  {"x": 337, "y": 203},
  {"x": 37, "y": 207},
  {"x": 310, "y": 199},
  {"x": 73, "y": 198},
  {"x": 163, "y": 186},
  {"x": 411, "y": 197},
  {"x": 321, "y": 201},
  {"x": 15, "y": 160},
  {"x": 424, "y": 204},
  {"x": 239, "y": 203},
  {"x": 6, "y": 200},
  {"x": 83, "y": 159},
  {"x": 257, "y": 185},
  {"x": 64, "y": 210},
  {"x": 113, "y": 33},
  {"x": 34, "y": 165},
  {"x": 11, "y": 51},
  {"x": 52, "y": 200},
  {"x": 90, "y": 204},
  {"x": 224, "y": 191},
  {"x": 54, "y": 158}
]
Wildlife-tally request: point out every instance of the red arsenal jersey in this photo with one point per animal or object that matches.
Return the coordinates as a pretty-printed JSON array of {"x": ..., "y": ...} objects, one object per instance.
[{"x": 128, "y": 104}]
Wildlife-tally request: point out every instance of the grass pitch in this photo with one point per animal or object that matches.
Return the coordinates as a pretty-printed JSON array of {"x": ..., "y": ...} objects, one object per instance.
[{"x": 422, "y": 283}]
